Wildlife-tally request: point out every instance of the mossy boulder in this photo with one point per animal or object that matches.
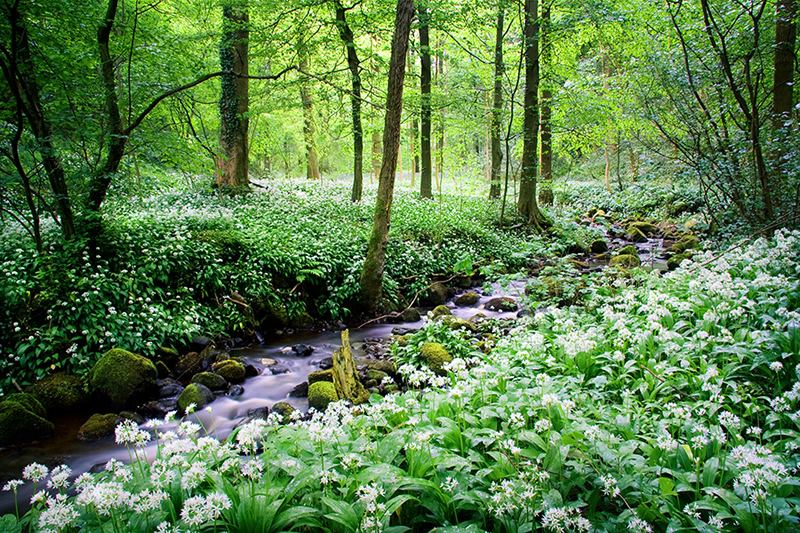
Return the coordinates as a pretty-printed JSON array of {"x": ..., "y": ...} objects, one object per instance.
[
  {"x": 231, "y": 370},
  {"x": 168, "y": 355},
  {"x": 410, "y": 315},
  {"x": 437, "y": 294},
  {"x": 320, "y": 375},
  {"x": 440, "y": 310},
  {"x": 211, "y": 380},
  {"x": 284, "y": 409},
  {"x": 676, "y": 260},
  {"x": 302, "y": 320},
  {"x": 384, "y": 365},
  {"x": 320, "y": 394},
  {"x": 502, "y": 303},
  {"x": 98, "y": 427},
  {"x": 124, "y": 379},
  {"x": 625, "y": 261},
  {"x": 636, "y": 235},
  {"x": 468, "y": 299},
  {"x": 646, "y": 228},
  {"x": 60, "y": 393},
  {"x": 628, "y": 250},
  {"x": 28, "y": 401},
  {"x": 197, "y": 394},
  {"x": 435, "y": 356},
  {"x": 375, "y": 374},
  {"x": 454, "y": 323},
  {"x": 687, "y": 243},
  {"x": 599, "y": 246},
  {"x": 18, "y": 424},
  {"x": 189, "y": 364},
  {"x": 162, "y": 369},
  {"x": 403, "y": 340}
]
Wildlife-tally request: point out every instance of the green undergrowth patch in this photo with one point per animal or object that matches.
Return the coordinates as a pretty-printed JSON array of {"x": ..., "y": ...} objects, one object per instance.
[
  {"x": 659, "y": 403},
  {"x": 178, "y": 264}
]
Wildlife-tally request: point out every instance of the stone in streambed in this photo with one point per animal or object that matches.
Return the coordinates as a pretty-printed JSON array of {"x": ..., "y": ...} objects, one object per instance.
[
  {"x": 123, "y": 379},
  {"x": 468, "y": 299},
  {"x": 60, "y": 393},
  {"x": 18, "y": 424},
  {"x": 98, "y": 427},
  {"x": 197, "y": 394},
  {"x": 320, "y": 394}
]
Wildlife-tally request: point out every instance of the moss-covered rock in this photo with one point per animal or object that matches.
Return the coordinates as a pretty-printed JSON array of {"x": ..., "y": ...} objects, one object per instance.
[
  {"x": 410, "y": 315},
  {"x": 60, "y": 393},
  {"x": 437, "y": 293},
  {"x": 628, "y": 250},
  {"x": 375, "y": 374},
  {"x": 468, "y": 299},
  {"x": 688, "y": 242},
  {"x": 440, "y": 310},
  {"x": 625, "y": 261},
  {"x": 189, "y": 364},
  {"x": 18, "y": 424},
  {"x": 284, "y": 409},
  {"x": 168, "y": 355},
  {"x": 384, "y": 365},
  {"x": 502, "y": 303},
  {"x": 320, "y": 394},
  {"x": 98, "y": 427},
  {"x": 435, "y": 356},
  {"x": 162, "y": 369},
  {"x": 636, "y": 235},
  {"x": 231, "y": 370},
  {"x": 197, "y": 394},
  {"x": 676, "y": 260},
  {"x": 453, "y": 322},
  {"x": 320, "y": 375},
  {"x": 123, "y": 379},
  {"x": 211, "y": 380},
  {"x": 28, "y": 401},
  {"x": 403, "y": 340},
  {"x": 599, "y": 246},
  {"x": 646, "y": 228}
]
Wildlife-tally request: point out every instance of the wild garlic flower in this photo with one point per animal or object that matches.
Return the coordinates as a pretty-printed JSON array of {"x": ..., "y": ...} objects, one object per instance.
[{"x": 35, "y": 472}]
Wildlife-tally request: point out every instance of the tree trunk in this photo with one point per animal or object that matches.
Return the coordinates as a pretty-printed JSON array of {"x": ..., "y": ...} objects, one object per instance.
[
  {"x": 526, "y": 204},
  {"x": 354, "y": 65},
  {"x": 785, "y": 37},
  {"x": 377, "y": 149},
  {"x": 425, "y": 190},
  {"x": 21, "y": 79},
  {"x": 546, "y": 157},
  {"x": 372, "y": 273},
  {"x": 497, "y": 104},
  {"x": 309, "y": 130},
  {"x": 233, "y": 163}
]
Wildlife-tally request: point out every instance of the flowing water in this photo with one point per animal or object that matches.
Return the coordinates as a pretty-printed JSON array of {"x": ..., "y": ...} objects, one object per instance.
[{"x": 226, "y": 412}]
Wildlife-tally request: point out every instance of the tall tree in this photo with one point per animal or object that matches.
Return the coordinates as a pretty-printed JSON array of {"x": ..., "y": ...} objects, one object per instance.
[
  {"x": 20, "y": 75},
  {"x": 309, "y": 128},
  {"x": 527, "y": 205},
  {"x": 425, "y": 190},
  {"x": 785, "y": 37},
  {"x": 233, "y": 163},
  {"x": 374, "y": 263},
  {"x": 497, "y": 103},
  {"x": 353, "y": 63},
  {"x": 546, "y": 158}
]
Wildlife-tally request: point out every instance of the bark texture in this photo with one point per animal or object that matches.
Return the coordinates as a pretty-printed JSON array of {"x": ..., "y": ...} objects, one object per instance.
[
  {"x": 372, "y": 273},
  {"x": 425, "y": 185}
]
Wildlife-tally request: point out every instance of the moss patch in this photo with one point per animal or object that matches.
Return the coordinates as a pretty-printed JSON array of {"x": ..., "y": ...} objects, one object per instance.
[
  {"x": 123, "y": 378},
  {"x": 231, "y": 370},
  {"x": 625, "y": 261},
  {"x": 60, "y": 393},
  {"x": 98, "y": 427},
  {"x": 320, "y": 394},
  {"x": 28, "y": 401},
  {"x": 18, "y": 424},
  {"x": 197, "y": 394},
  {"x": 435, "y": 356}
]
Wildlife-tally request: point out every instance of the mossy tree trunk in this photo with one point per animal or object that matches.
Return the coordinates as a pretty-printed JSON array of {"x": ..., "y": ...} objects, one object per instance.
[
  {"x": 309, "y": 129},
  {"x": 233, "y": 162},
  {"x": 353, "y": 63},
  {"x": 527, "y": 205},
  {"x": 546, "y": 155},
  {"x": 497, "y": 104},
  {"x": 372, "y": 272},
  {"x": 425, "y": 188}
]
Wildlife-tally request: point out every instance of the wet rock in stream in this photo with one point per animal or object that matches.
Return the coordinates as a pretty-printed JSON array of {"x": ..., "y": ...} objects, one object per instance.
[{"x": 303, "y": 350}]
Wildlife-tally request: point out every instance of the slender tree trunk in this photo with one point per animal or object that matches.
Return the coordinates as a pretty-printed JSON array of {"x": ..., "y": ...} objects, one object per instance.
[
  {"x": 412, "y": 141},
  {"x": 377, "y": 149},
  {"x": 372, "y": 273},
  {"x": 233, "y": 163},
  {"x": 527, "y": 205},
  {"x": 425, "y": 190},
  {"x": 785, "y": 38},
  {"x": 354, "y": 65},
  {"x": 546, "y": 157},
  {"x": 309, "y": 129},
  {"x": 497, "y": 104},
  {"x": 442, "y": 82},
  {"x": 21, "y": 80}
]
